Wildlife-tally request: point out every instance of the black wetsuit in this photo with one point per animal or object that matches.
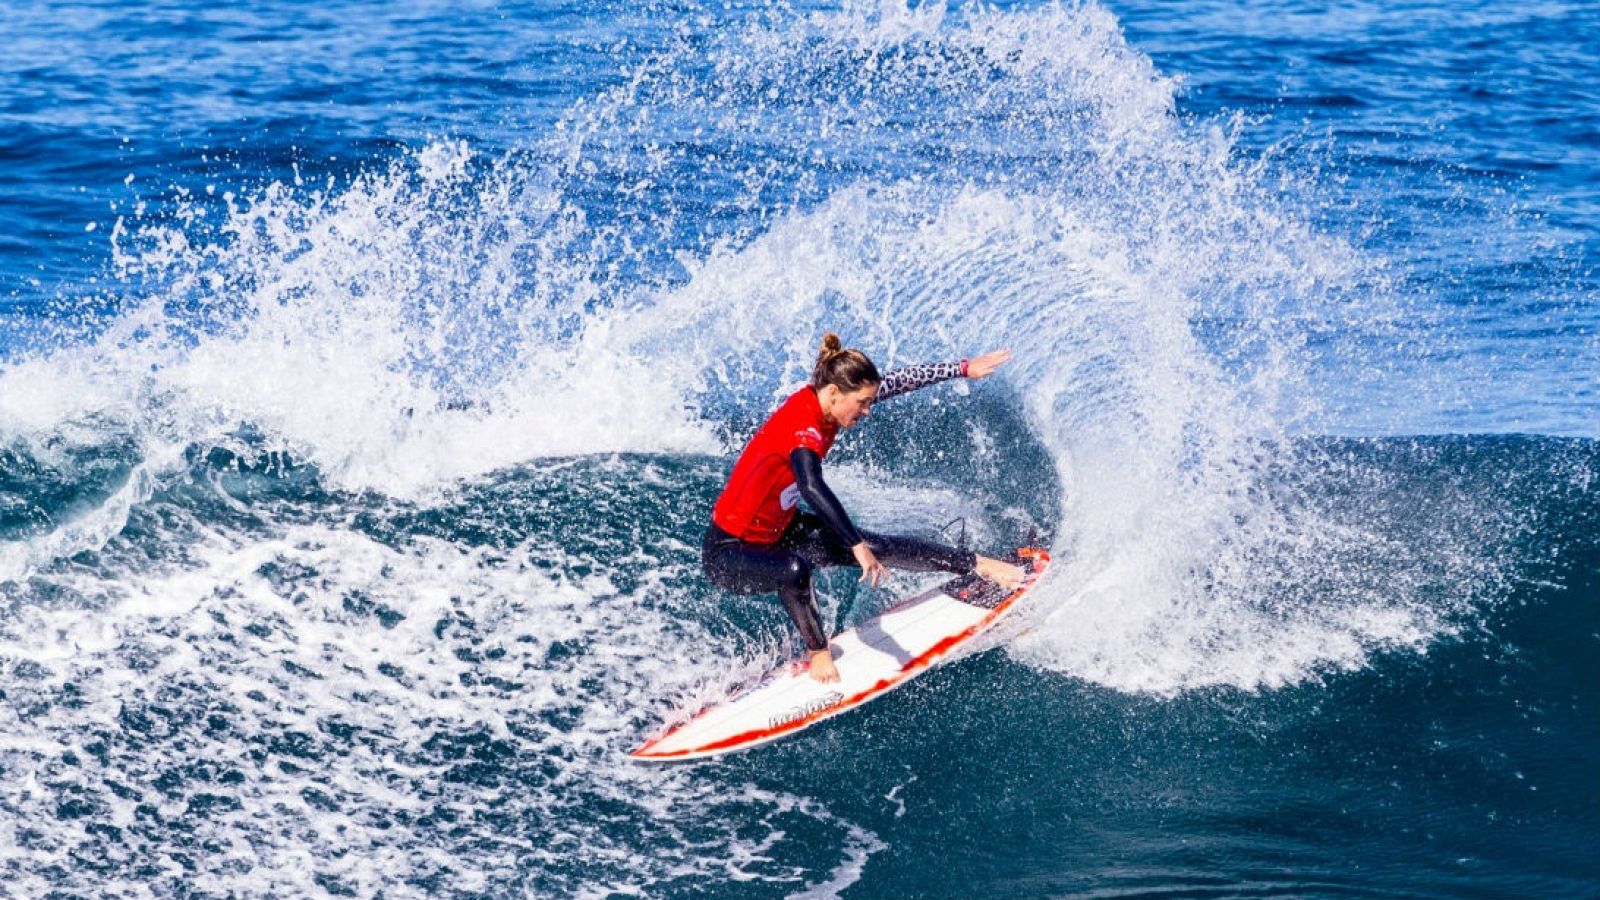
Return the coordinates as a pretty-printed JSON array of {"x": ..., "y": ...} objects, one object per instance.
[{"x": 824, "y": 536}]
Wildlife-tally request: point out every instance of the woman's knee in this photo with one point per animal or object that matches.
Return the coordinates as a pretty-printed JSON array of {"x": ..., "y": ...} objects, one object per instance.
[{"x": 796, "y": 572}]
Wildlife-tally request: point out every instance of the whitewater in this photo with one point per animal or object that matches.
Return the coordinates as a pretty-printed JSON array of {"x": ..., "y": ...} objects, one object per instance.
[{"x": 350, "y": 499}]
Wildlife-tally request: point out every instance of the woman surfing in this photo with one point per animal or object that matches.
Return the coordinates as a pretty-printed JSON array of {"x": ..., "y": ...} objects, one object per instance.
[{"x": 759, "y": 540}]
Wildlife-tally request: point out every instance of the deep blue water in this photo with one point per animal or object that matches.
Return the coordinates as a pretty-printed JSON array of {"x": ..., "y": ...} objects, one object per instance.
[{"x": 367, "y": 372}]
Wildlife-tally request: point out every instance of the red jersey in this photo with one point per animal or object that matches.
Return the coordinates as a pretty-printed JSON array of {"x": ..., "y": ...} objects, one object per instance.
[{"x": 759, "y": 500}]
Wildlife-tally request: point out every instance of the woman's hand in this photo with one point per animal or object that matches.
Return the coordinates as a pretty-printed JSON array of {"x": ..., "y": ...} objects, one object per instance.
[
  {"x": 872, "y": 571},
  {"x": 984, "y": 366}
]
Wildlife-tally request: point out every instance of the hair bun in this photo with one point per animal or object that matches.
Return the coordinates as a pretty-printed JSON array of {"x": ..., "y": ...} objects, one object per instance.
[{"x": 845, "y": 369}]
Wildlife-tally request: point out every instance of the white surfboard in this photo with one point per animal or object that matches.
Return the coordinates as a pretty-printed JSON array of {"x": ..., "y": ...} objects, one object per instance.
[{"x": 873, "y": 658}]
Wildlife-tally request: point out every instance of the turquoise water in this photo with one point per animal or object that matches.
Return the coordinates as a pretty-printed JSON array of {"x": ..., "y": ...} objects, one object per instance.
[{"x": 366, "y": 376}]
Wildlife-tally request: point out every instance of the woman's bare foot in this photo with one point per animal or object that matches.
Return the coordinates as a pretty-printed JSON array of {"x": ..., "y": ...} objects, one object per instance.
[
  {"x": 1002, "y": 573},
  {"x": 822, "y": 668}
]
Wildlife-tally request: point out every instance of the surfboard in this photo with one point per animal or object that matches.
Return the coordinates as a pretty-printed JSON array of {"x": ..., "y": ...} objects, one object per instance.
[{"x": 873, "y": 658}]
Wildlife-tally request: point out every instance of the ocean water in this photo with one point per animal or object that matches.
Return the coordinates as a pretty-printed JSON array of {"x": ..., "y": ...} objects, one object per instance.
[{"x": 367, "y": 373}]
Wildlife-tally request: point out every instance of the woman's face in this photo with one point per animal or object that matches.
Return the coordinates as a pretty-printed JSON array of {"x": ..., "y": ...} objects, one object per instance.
[{"x": 845, "y": 408}]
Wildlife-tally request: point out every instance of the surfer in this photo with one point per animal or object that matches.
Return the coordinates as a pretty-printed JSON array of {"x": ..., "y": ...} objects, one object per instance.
[{"x": 759, "y": 541}]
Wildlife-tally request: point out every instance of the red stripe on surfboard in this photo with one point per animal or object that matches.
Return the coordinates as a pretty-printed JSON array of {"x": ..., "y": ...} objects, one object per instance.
[{"x": 932, "y": 653}]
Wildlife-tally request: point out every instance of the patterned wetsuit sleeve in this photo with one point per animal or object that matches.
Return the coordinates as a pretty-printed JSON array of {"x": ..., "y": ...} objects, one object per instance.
[{"x": 911, "y": 378}]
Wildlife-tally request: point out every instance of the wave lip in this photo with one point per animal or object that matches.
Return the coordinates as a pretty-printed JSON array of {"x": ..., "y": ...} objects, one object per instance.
[{"x": 448, "y": 315}]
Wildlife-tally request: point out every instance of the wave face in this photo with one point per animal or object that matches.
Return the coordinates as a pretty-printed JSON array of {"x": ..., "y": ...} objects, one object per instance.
[{"x": 349, "y": 514}]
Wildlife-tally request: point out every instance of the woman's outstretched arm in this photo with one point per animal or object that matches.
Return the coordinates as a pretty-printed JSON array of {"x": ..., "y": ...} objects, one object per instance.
[{"x": 911, "y": 378}]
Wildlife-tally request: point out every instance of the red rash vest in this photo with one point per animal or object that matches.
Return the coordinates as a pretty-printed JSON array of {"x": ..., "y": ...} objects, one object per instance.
[{"x": 759, "y": 500}]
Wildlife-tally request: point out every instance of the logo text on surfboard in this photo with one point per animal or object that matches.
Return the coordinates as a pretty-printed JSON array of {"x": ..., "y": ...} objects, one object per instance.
[{"x": 805, "y": 709}]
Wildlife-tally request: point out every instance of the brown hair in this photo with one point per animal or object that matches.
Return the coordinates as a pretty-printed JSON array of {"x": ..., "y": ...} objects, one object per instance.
[{"x": 847, "y": 370}]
